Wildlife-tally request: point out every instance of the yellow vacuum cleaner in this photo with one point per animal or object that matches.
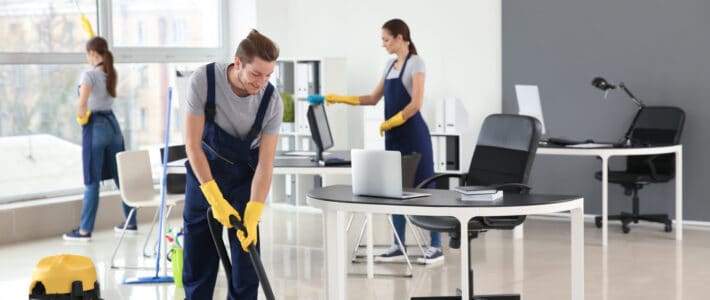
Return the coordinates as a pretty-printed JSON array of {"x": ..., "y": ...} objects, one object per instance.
[{"x": 64, "y": 277}]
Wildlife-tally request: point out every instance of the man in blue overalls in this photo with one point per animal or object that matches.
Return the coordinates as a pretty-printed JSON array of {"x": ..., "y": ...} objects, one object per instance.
[{"x": 232, "y": 124}]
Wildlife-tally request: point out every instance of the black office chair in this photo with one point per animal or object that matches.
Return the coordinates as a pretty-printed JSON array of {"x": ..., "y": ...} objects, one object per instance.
[
  {"x": 652, "y": 126},
  {"x": 410, "y": 164},
  {"x": 503, "y": 157},
  {"x": 175, "y": 183}
]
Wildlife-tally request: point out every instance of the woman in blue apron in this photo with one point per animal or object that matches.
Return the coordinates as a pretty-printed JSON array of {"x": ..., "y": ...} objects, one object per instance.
[
  {"x": 101, "y": 136},
  {"x": 402, "y": 86},
  {"x": 232, "y": 123}
]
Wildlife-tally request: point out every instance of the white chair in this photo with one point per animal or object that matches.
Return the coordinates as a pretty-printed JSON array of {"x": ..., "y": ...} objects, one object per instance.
[{"x": 137, "y": 191}]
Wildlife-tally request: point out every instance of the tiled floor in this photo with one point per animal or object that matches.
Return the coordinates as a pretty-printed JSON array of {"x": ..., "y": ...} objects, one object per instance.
[{"x": 645, "y": 264}]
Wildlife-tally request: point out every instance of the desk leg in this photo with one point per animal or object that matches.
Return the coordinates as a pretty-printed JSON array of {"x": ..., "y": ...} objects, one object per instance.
[
  {"x": 577, "y": 247},
  {"x": 605, "y": 200},
  {"x": 464, "y": 249},
  {"x": 679, "y": 195},
  {"x": 519, "y": 232},
  {"x": 370, "y": 250},
  {"x": 335, "y": 254}
]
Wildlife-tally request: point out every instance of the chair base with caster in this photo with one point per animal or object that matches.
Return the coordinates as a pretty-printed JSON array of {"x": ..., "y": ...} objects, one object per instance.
[{"x": 634, "y": 217}]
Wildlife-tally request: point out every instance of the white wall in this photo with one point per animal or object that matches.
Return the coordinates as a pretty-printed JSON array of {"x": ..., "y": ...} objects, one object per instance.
[
  {"x": 459, "y": 41},
  {"x": 242, "y": 18}
]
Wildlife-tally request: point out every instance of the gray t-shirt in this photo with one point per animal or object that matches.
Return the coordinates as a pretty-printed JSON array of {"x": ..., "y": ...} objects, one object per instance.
[
  {"x": 99, "y": 99},
  {"x": 415, "y": 65},
  {"x": 234, "y": 114}
]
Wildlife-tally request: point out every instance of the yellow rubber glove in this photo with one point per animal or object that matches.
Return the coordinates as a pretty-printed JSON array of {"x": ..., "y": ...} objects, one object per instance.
[
  {"x": 252, "y": 214},
  {"x": 87, "y": 26},
  {"x": 221, "y": 209},
  {"x": 394, "y": 121},
  {"x": 85, "y": 119},
  {"x": 333, "y": 98}
]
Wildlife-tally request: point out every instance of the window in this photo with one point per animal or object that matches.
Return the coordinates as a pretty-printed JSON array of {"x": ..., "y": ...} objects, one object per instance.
[
  {"x": 44, "y": 26},
  {"x": 163, "y": 23},
  {"x": 41, "y": 59}
]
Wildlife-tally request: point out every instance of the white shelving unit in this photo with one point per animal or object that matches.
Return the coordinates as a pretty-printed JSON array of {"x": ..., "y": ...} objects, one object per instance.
[
  {"x": 447, "y": 152},
  {"x": 299, "y": 78}
]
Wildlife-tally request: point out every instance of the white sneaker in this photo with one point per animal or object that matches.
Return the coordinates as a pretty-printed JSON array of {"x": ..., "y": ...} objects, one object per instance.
[
  {"x": 393, "y": 254},
  {"x": 432, "y": 255}
]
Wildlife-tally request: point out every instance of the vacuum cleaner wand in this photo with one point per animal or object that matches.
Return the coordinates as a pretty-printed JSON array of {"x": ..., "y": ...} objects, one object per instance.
[{"x": 253, "y": 254}]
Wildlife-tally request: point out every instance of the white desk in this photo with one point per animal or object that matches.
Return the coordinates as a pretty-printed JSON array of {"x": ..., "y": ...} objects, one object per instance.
[
  {"x": 337, "y": 200},
  {"x": 606, "y": 153},
  {"x": 285, "y": 165}
]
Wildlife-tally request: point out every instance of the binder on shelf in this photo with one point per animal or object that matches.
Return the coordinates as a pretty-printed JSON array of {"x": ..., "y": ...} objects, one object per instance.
[
  {"x": 307, "y": 78},
  {"x": 439, "y": 116},
  {"x": 301, "y": 113},
  {"x": 446, "y": 152},
  {"x": 454, "y": 115},
  {"x": 301, "y": 80},
  {"x": 441, "y": 159},
  {"x": 452, "y": 152}
]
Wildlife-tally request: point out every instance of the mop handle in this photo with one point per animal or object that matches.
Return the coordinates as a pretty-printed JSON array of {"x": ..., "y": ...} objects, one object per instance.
[
  {"x": 162, "y": 181},
  {"x": 255, "y": 260}
]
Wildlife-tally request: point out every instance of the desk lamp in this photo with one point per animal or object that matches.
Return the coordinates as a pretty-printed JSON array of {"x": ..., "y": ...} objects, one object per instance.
[{"x": 602, "y": 84}]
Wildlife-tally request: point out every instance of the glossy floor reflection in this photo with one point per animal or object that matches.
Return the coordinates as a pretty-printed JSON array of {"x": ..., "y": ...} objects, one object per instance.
[{"x": 645, "y": 264}]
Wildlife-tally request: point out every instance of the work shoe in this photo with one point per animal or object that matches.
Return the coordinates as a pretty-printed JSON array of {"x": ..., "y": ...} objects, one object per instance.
[
  {"x": 131, "y": 228},
  {"x": 75, "y": 235},
  {"x": 431, "y": 255},
  {"x": 393, "y": 254}
]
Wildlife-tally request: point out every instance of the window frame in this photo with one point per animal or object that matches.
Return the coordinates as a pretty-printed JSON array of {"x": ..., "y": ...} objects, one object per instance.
[
  {"x": 132, "y": 54},
  {"x": 123, "y": 55}
]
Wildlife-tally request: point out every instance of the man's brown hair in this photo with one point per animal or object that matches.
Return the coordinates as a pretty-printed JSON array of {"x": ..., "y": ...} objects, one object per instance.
[{"x": 257, "y": 45}]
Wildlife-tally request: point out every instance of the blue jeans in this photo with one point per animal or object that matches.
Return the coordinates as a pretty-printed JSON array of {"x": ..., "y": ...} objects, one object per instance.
[
  {"x": 106, "y": 142},
  {"x": 400, "y": 222}
]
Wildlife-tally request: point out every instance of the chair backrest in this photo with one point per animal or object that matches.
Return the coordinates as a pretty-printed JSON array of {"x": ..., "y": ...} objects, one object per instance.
[
  {"x": 410, "y": 164},
  {"x": 175, "y": 152},
  {"x": 655, "y": 126},
  {"x": 505, "y": 150},
  {"x": 134, "y": 176},
  {"x": 175, "y": 183}
]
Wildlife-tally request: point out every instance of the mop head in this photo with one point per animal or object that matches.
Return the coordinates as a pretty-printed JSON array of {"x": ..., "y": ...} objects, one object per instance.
[{"x": 64, "y": 275}]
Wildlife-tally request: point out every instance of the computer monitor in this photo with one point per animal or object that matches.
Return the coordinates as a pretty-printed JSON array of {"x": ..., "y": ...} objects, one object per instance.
[
  {"x": 320, "y": 130},
  {"x": 529, "y": 102}
]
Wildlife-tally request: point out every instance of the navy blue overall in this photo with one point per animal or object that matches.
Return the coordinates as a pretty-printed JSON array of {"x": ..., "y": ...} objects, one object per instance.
[
  {"x": 412, "y": 136},
  {"x": 108, "y": 168},
  {"x": 232, "y": 162}
]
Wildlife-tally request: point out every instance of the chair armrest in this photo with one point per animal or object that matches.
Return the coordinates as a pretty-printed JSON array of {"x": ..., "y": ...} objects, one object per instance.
[
  {"x": 522, "y": 188},
  {"x": 652, "y": 166},
  {"x": 437, "y": 177}
]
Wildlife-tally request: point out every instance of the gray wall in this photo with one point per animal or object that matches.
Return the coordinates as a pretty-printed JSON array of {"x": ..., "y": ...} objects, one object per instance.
[{"x": 660, "y": 49}]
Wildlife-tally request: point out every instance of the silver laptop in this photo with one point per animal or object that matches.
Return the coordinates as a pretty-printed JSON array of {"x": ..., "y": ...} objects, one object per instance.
[{"x": 378, "y": 173}]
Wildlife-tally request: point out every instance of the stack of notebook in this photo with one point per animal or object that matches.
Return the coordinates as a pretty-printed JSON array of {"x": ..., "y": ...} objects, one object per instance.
[{"x": 479, "y": 193}]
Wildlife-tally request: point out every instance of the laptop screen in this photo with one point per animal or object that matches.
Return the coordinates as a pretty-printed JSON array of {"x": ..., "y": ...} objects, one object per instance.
[
  {"x": 529, "y": 102},
  {"x": 376, "y": 173}
]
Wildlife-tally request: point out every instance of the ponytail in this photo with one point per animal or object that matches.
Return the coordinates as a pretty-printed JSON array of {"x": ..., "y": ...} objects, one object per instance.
[
  {"x": 100, "y": 45},
  {"x": 112, "y": 77},
  {"x": 412, "y": 49}
]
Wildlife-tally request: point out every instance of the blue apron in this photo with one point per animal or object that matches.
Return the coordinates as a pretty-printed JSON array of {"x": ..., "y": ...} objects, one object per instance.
[
  {"x": 87, "y": 138},
  {"x": 232, "y": 163},
  {"x": 412, "y": 136}
]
